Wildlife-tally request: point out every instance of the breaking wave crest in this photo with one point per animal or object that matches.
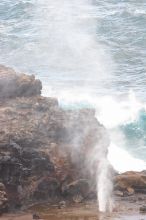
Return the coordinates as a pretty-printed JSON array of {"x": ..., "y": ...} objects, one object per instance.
[{"x": 125, "y": 120}]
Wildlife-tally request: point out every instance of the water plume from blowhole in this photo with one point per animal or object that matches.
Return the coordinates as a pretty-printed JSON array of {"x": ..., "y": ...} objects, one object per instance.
[{"x": 68, "y": 34}]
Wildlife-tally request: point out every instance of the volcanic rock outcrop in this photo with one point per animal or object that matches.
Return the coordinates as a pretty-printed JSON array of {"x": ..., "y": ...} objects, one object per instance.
[
  {"x": 44, "y": 149},
  {"x": 130, "y": 182}
]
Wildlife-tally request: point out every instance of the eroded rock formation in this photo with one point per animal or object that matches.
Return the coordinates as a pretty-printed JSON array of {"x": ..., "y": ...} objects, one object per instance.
[
  {"x": 14, "y": 85},
  {"x": 130, "y": 182},
  {"x": 44, "y": 149}
]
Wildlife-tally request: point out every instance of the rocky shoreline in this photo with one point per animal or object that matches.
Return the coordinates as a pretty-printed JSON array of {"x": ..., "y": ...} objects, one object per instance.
[
  {"x": 127, "y": 208},
  {"x": 45, "y": 151}
]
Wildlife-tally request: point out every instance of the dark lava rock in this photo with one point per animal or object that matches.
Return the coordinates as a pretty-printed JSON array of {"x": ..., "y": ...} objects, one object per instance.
[
  {"x": 142, "y": 209},
  {"x": 35, "y": 216},
  {"x": 43, "y": 146},
  {"x": 47, "y": 188},
  {"x": 3, "y": 199},
  {"x": 78, "y": 190}
]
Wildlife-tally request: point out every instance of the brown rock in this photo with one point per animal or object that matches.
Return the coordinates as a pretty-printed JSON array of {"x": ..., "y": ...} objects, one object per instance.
[
  {"x": 43, "y": 146},
  {"x": 14, "y": 84},
  {"x": 130, "y": 191},
  {"x": 119, "y": 193},
  {"x": 131, "y": 182},
  {"x": 142, "y": 209}
]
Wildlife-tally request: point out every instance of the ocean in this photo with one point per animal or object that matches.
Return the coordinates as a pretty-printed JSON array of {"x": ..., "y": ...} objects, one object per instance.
[{"x": 88, "y": 53}]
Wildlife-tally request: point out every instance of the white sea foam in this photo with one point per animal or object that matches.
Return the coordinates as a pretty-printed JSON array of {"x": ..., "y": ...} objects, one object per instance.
[
  {"x": 123, "y": 161},
  {"x": 112, "y": 113}
]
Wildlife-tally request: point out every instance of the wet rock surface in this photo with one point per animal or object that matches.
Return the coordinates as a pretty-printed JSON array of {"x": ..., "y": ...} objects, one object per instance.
[
  {"x": 130, "y": 183},
  {"x": 124, "y": 210},
  {"x": 44, "y": 149}
]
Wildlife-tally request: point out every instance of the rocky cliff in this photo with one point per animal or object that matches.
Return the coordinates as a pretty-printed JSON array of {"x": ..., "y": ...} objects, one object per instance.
[{"x": 44, "y": 149}]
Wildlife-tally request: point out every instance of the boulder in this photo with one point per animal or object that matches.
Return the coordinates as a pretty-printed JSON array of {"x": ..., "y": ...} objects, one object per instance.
[
  {"x": 142, "y": 209},
  {"x": 131, "y": 182},
  {"x": 35, "y": 216},
  {"x": 14, "y": 84},
  {"x": 118, "y": 193},
  {"x": 43, "y": 146},
  {"x": 61, "y": 205}
]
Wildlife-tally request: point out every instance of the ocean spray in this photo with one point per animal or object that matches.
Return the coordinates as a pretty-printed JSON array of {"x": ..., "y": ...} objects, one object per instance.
[{"x": 68, "y": 33}]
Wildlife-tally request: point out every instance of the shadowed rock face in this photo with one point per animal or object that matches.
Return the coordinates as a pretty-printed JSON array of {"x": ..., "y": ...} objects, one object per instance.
[
  {"x": 42, "y": 146},
  {"x": 3, "y": 199}
]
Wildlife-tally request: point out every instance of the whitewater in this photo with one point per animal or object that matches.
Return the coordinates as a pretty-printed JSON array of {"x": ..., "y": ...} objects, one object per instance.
[{"x": 87, "y": 54}]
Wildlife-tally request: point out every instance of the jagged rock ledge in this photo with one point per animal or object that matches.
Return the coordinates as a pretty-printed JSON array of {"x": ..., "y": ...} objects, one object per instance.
[
  {"x": 14, "y": 85},
  {"x": 44, "y": 150}
]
